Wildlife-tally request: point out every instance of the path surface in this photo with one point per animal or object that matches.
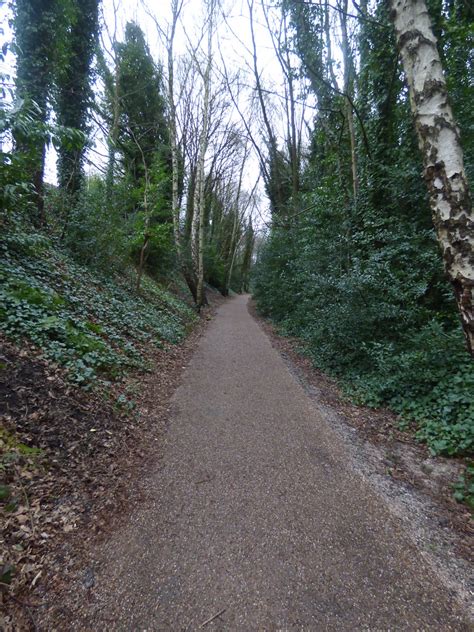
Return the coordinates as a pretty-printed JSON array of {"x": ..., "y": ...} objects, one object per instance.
[{"x": 254, "y": 510}]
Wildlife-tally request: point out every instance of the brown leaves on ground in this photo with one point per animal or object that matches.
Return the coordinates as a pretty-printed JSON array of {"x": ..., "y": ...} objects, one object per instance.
[{"x": 67, "y": 461}]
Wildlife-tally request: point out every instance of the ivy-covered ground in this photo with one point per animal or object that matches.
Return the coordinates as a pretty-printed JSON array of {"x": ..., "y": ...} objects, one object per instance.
[
  {"x": 390, "y": 452},
  {"x": 76, "y": 353},
  {"x": 95, "y": 326}
]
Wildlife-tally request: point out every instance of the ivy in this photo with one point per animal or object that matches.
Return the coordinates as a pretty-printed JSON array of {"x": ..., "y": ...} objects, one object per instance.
[
  {"x": 464, "y": 487},
  {"x": 94, "y": 325},
  {"x": 373, "y": 309}
]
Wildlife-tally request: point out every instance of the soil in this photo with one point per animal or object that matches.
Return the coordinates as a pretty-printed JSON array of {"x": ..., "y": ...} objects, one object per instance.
[{"x": 69, "y": 459}]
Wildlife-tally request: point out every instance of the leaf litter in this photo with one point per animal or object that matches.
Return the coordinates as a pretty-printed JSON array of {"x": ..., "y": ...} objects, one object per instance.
[{"x": 68, "y": 460}]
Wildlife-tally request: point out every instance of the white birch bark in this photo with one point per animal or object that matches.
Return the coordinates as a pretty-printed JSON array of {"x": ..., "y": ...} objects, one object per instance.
[{"x": 438, "y": 138}]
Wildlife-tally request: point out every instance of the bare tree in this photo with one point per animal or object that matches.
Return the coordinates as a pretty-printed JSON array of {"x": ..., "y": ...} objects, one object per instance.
[
  {"x": 169, "y": 38},
  {"x": 281, "y": 47},
  {"x": 197, "y": 229}
]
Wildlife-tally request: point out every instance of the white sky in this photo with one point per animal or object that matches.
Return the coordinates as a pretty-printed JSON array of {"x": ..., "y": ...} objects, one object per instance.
[
  {"x": 232, "y": 41},
  {"x": 6, "y": 66}
]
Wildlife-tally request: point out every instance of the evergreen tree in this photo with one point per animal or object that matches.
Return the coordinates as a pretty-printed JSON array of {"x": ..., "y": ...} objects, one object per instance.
[
  {"x": 73, "y": 90},
  {"x": 143, "y": 132},
  {"x": 36, "y": 36}
]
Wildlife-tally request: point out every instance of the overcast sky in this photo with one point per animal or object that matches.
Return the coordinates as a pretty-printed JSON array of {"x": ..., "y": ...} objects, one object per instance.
[{"x": 232, "y": 42}]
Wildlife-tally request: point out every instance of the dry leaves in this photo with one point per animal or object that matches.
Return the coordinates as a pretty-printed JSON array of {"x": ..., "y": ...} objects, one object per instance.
[{"x": 67, "y": 460}]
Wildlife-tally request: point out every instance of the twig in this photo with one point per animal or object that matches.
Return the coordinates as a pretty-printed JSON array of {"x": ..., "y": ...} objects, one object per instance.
[
  {"x": 205, "y": 480},
  {"x": 20, "y": 602},
  {"x": 30, "y": 513},
  {"x": 207, "y": 621}
]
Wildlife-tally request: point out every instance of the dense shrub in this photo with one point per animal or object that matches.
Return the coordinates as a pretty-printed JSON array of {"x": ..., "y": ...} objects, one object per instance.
[{"x": 367, "y": 296}]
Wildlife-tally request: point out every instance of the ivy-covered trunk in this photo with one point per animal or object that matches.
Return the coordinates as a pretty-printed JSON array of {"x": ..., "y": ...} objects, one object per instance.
[
  {"x": 439, "y": 141},
  {"x": 36, "y": 30},
  {"x": 74, "y": 94}
]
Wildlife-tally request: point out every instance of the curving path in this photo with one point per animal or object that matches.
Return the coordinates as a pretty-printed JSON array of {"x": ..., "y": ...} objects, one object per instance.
[{"x": 255, "y": 512}]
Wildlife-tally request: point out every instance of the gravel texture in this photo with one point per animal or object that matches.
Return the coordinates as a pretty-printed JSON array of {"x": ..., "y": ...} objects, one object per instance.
[{"x": 254, "y": 513}]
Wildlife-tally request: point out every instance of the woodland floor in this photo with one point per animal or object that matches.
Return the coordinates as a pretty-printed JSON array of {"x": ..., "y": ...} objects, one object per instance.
[
  {"x": 261, "y": 509},
  {"x": 260, "y": 500},
  {"x": 82, "y": 481}
]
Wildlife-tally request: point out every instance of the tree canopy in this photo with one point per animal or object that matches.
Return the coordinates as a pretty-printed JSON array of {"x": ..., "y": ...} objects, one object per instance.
[{"x": 303, "y": 179}]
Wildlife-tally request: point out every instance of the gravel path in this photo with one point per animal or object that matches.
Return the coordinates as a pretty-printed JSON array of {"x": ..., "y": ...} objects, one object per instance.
[{"x": 254, "y": 512}]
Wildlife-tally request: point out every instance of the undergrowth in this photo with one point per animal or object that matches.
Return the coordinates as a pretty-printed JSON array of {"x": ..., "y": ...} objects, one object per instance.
[
  {"x": 429, "y": 382},
  {"x": 95, "y": 325}
]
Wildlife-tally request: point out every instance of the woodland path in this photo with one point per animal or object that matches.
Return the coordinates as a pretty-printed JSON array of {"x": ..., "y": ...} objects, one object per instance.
[{"x": 255, "y": 512}]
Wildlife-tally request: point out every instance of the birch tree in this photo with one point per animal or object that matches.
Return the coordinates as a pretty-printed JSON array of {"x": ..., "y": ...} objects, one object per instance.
[
  {"x": 197, "y": 229},
  {"x": 439, "y": 142}
]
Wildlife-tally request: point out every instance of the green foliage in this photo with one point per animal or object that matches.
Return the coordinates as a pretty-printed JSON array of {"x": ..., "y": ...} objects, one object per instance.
[
  {"x": 36, "y": 34},
  {"x": 372, "y": 309},
  {"x": 96, "y": 235},
  {"x": 454, "y": 27},
  {"x": 136, "y": 194},
  {"x": 40, "y": 35},
  {"x": 22, "y": 122},
  {"x": 143, "y": 133},
  {"x": 6, "y": 574},
  {"x": 464, "y": 488},
  {"x": 214, "y": 266},
  {"x": 94, "y": 325},
  {"x": 430, "y": 381},
  {"x": 360, "y": 281},
  {"x": 73, "y": 89}
]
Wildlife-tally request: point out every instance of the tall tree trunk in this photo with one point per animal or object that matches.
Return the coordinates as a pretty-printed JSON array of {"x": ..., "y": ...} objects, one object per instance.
[
  {"x": 235, "y": 224},
  {"x": 438, "y": 138},
  {"x": 147, "y": 216},
  {"x": 73, "y": 90},
  {"x": 293, "y": 137},
  {"x": 348, "y": 92},
  {"x": 231, "y": 267},
  {"x": 197, "y": 229},
  {"x": 38, "y": 184},
  {"x": 232, "y": 250},
  {"x": 247, "y": 257},
  {"x": 36, "y": 26},
  {"x": 113, "y": 137},
  {"x": 175, "y": 202}
]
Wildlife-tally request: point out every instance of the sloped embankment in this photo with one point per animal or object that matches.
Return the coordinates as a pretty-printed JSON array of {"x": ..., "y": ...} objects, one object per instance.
[{"x": 75, "y": 348}]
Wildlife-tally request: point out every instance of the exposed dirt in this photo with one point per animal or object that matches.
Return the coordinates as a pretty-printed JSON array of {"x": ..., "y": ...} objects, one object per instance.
[{"x": 69, "y": 460}]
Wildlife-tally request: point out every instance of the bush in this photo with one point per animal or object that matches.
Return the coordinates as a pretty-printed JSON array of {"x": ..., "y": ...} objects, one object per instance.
[{"x": 366, "y": 294}]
